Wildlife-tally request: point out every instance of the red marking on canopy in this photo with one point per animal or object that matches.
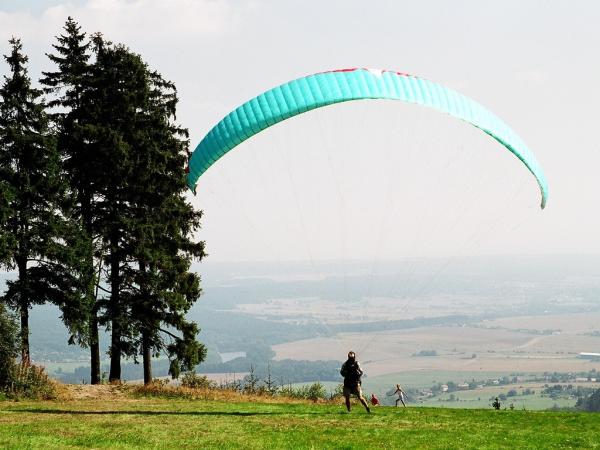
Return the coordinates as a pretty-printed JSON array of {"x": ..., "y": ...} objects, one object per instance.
[
  {"x": 352, "y": 69},
  {"x": 344, "y": 70}
]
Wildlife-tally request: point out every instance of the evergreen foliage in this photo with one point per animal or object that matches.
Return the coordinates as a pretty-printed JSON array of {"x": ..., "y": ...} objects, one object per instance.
[
  {"x": 160, "y": 287},
  {"x": 35, "y": 237},
  {"x": 143, "y": 219},
  {"x": 73, "y": 124},
  {"x": 92, "y": 212}
]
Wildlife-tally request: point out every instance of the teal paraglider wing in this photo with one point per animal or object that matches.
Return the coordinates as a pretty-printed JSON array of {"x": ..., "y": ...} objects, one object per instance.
[{"x": 326, "y": 88}]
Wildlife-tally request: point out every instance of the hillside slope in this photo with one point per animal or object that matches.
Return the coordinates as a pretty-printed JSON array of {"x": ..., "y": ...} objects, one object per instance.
[{"x": 123, "y": 422}]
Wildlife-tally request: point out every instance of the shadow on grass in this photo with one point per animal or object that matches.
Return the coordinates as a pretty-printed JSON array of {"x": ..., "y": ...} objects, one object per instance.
[
  {"x": 159, "y": 413},
  {"x": 144, "y": 413}
]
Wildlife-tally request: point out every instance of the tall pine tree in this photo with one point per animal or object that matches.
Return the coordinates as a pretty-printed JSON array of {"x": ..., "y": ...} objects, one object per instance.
[
  {"x": 144, "y": 221},
  {"x": 161, "y": 286},
  {"x": 34, "y": 234},
  {"x": 111, "y": 101},
  {"x": 72, "y": 122},
  {"x": 124, "y": 159}
]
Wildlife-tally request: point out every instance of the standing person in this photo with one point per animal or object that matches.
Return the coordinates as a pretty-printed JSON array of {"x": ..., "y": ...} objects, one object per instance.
[
  {"x": 401, "y": 395},
  {"x": 352, "y": 374}
]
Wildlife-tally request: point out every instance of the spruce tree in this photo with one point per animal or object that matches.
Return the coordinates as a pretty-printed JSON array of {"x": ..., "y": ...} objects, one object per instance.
[
  {"x": 162, "y": 286},
  {"x": 34, "y": 234},
  {"x": 143, "y": 218},
  {"x": 114, "y": 96},
  {"x": 118, "y": 137},
  {"x": 72, "y": 122}
]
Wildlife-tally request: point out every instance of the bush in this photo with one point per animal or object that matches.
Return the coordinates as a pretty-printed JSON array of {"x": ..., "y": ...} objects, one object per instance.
[
  {"x": 160, "y": 382},
  {"x": 288, "y": 391},
  {"x": 19, "y": 380},
  {"x": 337, "y": 393},
  {"x": 9, "y": 349},
  {"x": 314, "y": 392},
  {"x": 194, "y": 381},
  {"x": 31, "y": 381},
  {"x": 591, "y": 403},
  {"x": 251, "y": 381}
]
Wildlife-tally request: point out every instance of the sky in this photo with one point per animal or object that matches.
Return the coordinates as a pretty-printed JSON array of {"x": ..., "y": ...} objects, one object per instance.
[{"x": 370, "y": 180}]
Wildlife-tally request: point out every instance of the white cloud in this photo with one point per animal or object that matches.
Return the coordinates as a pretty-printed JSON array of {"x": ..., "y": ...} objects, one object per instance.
[{"x": 130, "y": 20}]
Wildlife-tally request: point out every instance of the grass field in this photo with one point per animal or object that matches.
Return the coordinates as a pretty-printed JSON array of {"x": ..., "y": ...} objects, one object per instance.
[
  {"x": 125, "y": 423},
  {"x": 481, "y": 398},
  {"x": 427, "y": 378}
]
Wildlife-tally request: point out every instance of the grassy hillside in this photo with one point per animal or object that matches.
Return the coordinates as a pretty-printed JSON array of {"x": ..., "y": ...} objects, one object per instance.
[{"x": 124, "y": 423}]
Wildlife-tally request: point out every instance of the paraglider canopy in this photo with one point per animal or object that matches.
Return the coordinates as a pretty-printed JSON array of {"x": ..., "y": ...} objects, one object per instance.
[{"x": 326, "y": 88}]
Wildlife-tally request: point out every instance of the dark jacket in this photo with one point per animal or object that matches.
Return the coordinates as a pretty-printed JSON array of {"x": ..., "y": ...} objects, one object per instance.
[{"x": 351, "y": 372}]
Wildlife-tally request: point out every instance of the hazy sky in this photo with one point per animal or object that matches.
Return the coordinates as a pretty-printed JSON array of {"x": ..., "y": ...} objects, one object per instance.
[{"x": 375, "y": 180}]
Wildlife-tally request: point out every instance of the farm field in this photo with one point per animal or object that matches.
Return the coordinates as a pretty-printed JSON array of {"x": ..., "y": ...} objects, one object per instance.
[
  {"x": 366, "y": 309},
  {"x": 481, "y": 398},
  {"x": 425, "y": 379},
  {"x": 575, "y": 322},
  {"x": 125, "y": 423},
  {"x": 465, "y": 349}
]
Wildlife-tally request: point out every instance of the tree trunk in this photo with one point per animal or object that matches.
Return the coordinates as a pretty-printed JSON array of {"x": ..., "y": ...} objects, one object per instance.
[
  {"x": 115, "y": 352},
  {"x": 90, "y": 287},
  {"x": 25, "y": 356},
  {"x": 24, "y": 311},
  {"x": 147, "y": 357},
  {"x": 115, "y": 310},
  {"x": 94, "y": 348},
  {"x": 146, "y": 351}
]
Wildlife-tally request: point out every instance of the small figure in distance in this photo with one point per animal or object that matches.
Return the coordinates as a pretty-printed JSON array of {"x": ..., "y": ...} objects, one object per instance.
[
  {"x": 374, "y": 400},
  {"x": 352, "y": 374},
  {"x": 400, "y": 393},
  {"x": 496, "y": 403}
]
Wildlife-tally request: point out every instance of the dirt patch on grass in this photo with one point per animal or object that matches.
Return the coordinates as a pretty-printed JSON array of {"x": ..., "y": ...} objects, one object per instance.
[
  {"x": 136, "y": 392},
  {"x": 93, "y": 391}
]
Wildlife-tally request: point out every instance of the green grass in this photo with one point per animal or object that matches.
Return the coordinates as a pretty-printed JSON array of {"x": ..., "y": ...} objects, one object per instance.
[
  {"x": 427, "y": 378},
  {"x": 481, "y": 399},
  {"x": 157, "y": 423}
]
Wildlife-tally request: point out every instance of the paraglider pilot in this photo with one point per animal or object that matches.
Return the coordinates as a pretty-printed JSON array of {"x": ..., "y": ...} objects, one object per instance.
[{"x": 352, "y": 374}]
